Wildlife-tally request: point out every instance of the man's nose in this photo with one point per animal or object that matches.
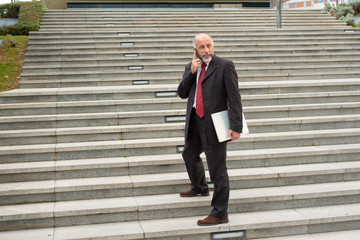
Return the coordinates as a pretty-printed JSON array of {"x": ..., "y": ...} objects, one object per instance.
[{"x": 206, "y": 49}]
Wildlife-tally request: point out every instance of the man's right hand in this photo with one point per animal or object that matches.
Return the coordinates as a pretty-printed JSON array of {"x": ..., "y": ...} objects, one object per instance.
[{"x": 195, "y": 64}]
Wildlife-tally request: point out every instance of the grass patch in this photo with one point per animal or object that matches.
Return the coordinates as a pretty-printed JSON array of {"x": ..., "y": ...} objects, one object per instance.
[
  {"x": 11, "y": 61},
  {"x": 12, "y": 51}
]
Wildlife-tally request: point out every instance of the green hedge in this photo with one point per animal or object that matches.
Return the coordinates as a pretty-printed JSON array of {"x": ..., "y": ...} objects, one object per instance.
[{"x": 28, "y": 13}]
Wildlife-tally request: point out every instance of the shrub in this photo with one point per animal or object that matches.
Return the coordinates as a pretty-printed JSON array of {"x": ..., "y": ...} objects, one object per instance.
[
  {"x": 343, "y": 5},
  {"x": 344, "y": 11},
  {"x": 10, "y": 40},
  {"x": 28, "y": 13},
  {"x": 356, "y": 7},
  {"x": 348, "y": 19},
  {"x": 327, "y": 7},
  {"x": 332, "y": 9}
]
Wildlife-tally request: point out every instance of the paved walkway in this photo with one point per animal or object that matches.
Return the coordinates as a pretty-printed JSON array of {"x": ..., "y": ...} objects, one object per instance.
[{"x": 8, "y": 21}]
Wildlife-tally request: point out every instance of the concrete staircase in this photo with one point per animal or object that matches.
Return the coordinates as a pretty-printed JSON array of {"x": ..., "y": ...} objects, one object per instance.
[{"x": 90, "y": 145}]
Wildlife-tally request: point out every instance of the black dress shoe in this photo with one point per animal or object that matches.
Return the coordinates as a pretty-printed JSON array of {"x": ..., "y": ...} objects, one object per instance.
[{"x": 192, "y": 193}]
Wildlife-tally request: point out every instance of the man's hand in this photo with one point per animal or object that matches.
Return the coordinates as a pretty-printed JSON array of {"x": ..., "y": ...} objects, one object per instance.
[
  {"x": 234, "y": 135},
  {"x": 195, "y": 64}
]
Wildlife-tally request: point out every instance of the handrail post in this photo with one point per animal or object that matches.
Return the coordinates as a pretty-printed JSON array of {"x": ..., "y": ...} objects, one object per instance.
[{"x": 278, "y": 13}]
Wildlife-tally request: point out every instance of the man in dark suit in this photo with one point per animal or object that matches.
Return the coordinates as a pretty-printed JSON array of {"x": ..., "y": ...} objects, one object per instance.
[{"x": 211, "y": 85}]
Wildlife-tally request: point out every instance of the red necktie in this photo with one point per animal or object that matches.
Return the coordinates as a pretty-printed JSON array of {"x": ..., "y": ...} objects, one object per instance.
[{"x": 199, "y": 101}]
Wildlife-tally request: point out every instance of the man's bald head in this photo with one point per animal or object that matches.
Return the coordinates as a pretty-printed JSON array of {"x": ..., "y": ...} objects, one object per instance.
[{"x": 200, "y": 38}]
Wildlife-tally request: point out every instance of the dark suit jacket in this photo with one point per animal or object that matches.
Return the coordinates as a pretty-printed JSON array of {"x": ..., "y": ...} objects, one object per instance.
[{"x": 220, "y": 92}]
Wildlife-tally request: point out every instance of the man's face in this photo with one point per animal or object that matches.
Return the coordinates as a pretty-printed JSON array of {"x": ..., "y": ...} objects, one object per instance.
[{"x": 204, "y": 47}]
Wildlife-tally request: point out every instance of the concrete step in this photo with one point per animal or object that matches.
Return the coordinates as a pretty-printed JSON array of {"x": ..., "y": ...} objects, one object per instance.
[
  {"x": 227, "y": 28},
  {"x": 160, "y": 80},
  {"x": 221, "y": 35},
  {"x": 344, "y": 235},
  {"x": 143, "y": 131},
  {"x": 144, "y": 72},
  {"x": 111, "y": 24},
  {"x": 140, "y": 208},
  {"x": 174, "y": 18},
  {"x": 113, "y": 118},
  {"x": 108, "y": 76},
  {"x": 209, "y": 28},
  {"x": 266, "y": 23},
  {"x": 168, "y": 13},
  {"x": 100, "y": 82},
  {"x": 171, "y": 21},
  {"x": 134, "y": 58},
  {"x": 325, "y": 74},
  {"x": 47, "y": 233},
  {"x": 130, "y": 45},
  {"x": 171, "y": 163},
  {"x": 139, "y": 147},
  {"x": 143, "y": 57},
  {"x": 165, "y": 103},
  {"x": 85, "y": 134},
  {"x": 247, "y": 74},
  {"x": 75, "y": 66},
  {"x": 274, "y": 89},
  {"x": 155, "y": 68},
  {"x": 256, "y": 224},
  {"x": 187, "y": 12},
  {"x": 183, "y": 16},
  {"x": 256, "y": 53},
  {"x": 249, "y": 46},
  {"x": 299, "y": 69},
  {"x": 42, "y": 40},
  {"x": 172, "y": 183}
]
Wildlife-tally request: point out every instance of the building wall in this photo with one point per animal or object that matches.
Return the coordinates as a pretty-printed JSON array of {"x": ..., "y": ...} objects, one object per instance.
[{"x": 55, "y": 4}]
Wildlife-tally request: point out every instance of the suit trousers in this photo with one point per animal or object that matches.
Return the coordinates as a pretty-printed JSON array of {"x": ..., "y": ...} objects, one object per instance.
[{"x": 195, "y": 144}]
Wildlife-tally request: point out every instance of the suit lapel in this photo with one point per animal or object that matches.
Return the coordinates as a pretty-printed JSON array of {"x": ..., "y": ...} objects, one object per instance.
[{"x": 211, "y": 68}]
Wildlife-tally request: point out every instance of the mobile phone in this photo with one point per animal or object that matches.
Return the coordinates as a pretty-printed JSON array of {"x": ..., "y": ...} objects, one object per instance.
[{"x": 198, "y": 55}]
